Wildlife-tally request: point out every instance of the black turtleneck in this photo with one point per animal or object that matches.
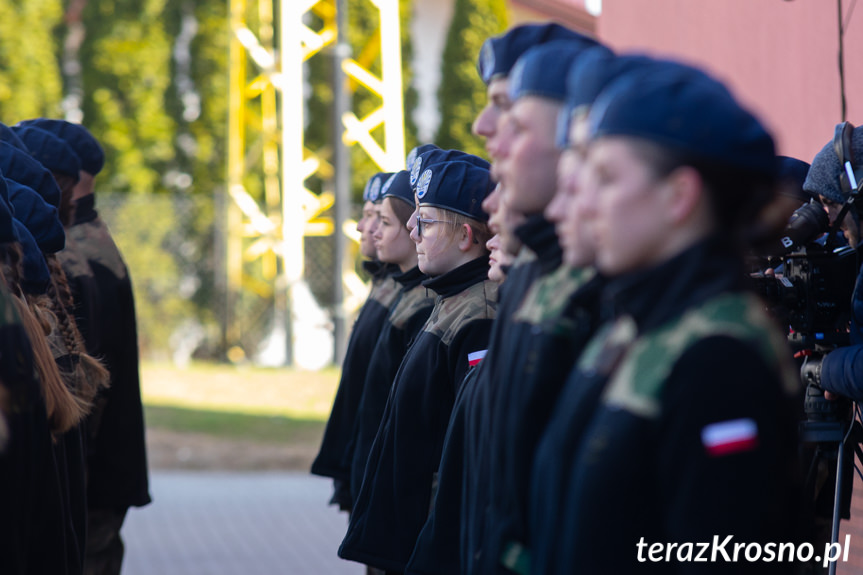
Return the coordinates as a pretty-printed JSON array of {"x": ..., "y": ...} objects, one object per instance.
[
  {"x": 399, "y": 482},
  {"x": 85, "y": 209},
  {"x": 379, "y": 270},
  {"x": 538, "y": 234},
  {"x": 411, "y": 278},
  {"x": 655, "y": 295},
  {"x": 457, "y": 280},
  {"x": 627, "y": 438}
]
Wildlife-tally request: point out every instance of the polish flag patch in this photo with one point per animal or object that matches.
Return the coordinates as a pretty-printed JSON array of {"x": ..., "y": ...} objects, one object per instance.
[
  {"x": 476, "y": 357},
  {"x": 729, "y": 437}
]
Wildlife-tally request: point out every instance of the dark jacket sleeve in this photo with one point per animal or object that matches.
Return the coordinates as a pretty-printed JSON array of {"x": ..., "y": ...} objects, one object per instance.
[{"x": 842, "y": 372}]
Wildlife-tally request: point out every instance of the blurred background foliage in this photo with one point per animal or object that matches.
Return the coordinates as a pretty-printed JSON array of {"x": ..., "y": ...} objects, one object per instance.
[{"x": 150, "y": 79}]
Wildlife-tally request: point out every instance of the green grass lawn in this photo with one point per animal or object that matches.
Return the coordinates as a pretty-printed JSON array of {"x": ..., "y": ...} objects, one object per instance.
[
  {"x": 265, "y": 405},
  {"x": 275, "y": 429}
]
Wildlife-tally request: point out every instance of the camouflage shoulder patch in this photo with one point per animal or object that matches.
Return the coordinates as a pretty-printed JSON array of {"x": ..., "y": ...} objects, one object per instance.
[
  {"x": 386, "y": 292},
  {"x": 97, "y": 245},
  {"x": 638, "y": 384},
  {"x": 524, "y": 256},
  {"x": 547, "y": 297},
  {"x": 411, "y": 302},
  {"x": 449, "y": 316},
  {"x": 604, "y": 351},
  {"x": 73, "y": 261}
]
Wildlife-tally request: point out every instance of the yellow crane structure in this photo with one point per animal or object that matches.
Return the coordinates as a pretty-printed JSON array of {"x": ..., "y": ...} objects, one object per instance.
[{"x": 267, "y": 87}]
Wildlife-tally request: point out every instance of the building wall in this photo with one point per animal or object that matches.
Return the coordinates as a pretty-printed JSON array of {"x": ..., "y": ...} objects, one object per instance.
[
  {"x": 429, "y": 26},
  {"x": 571, "y": 13},
  {"x": 779, "y": 57}
]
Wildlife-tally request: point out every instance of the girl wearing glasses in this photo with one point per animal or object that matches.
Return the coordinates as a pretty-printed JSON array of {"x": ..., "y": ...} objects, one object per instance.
[{"x": 400, "y": 480}]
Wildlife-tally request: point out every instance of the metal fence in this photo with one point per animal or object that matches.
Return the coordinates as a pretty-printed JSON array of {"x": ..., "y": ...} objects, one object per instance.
[{"x": 171, "y": 244}]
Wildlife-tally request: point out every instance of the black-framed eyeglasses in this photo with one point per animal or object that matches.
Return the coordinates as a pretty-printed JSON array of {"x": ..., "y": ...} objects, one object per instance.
[{"x": 425, "y": 221}]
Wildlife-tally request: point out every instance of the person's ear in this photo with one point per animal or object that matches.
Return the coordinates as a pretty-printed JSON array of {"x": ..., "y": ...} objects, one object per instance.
[
  {"x": 466, "y": 238},
  {"x": 685, "y": 192}
]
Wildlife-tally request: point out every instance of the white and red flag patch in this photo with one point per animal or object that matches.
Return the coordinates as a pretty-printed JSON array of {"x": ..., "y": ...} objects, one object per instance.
[
  {"x": 475, "y": 357},
  {"x": 728, "y": 437}
]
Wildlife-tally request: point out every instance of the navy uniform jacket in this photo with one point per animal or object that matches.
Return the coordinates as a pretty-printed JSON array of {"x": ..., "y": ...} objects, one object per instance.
[
  {"x": 676, "y": 426},
  {"x": 116, "y": 451},
  {"x": 535, "y": 347},
  {"x": 548, "y": 333},
  {"x": 367, "y": 328},
  {"x": 404, "y": 322},
  {"x": 479, "y": 422},
  {"x": 438, "y": 546},
  {"x": 399, "y": 484}
]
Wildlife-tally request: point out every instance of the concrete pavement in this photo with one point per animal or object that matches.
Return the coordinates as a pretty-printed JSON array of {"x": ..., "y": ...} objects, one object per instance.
[{"x": 221, "y": 523}]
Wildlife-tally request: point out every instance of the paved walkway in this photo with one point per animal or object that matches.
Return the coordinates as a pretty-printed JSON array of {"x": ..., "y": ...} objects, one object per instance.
[{"x": 205, "y": 523}]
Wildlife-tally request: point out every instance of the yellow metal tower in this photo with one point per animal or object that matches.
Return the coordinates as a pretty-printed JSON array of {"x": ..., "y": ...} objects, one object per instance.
[{"x": 267, "y": 228}]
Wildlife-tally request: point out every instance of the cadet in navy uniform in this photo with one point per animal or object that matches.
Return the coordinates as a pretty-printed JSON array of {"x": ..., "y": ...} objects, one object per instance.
[
  {"x": 438, "y": 547},
  {"x": 496, "y": 60},
  {"x": 116, "y": 451},
  {"x": 400, "y": 480},
  {"x": 413, "y": 306},
  {"x": 330, "y": 461},
  {"x": 651, "y": 441},
  {"x": 558, "y": 314}
]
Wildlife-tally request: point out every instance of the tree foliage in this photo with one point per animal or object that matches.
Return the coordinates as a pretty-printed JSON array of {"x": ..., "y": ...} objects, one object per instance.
[
  {"x": 462, "y": 93},
  {"x": 30, "y": 81},
  {"x": 154, "y": 84}
]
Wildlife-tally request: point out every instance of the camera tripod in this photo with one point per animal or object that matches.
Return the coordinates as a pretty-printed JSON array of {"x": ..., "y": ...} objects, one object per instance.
[{"x": 835, "y": 430}]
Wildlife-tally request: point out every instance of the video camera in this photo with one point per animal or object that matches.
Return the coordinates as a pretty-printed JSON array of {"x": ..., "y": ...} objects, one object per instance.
[{"x": 810, "y": 291}]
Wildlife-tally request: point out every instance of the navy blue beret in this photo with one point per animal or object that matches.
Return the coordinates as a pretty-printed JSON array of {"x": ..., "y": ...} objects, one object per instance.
[
  {"x": 399, "y": 186},
  {"x": 372, "y": 192},
  {"x": 8, "y": 135},
  {"x": 542, "y": 70},
  {"x": 455, "y": 186},
  {"x": 7, "y": 230},
  {"x": 35, "y": 277},
  {"x": 41, "y": 219},
  {"x": 587, "y": 77},
  {"x": 499, "y": 53},
  {"x": 432, "y": 157},
  {"x": 416, "y": 153},
  {"x": 823, "y": 176},
  {"x": 595, "y": 69},
  {"x": 793, "y": 173},
  {"x": 51, "y": 151},
  {"x": 25, "y": 169},
  {"x": 78, "y": 137},
  {"x": 681, "y": 108}
]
